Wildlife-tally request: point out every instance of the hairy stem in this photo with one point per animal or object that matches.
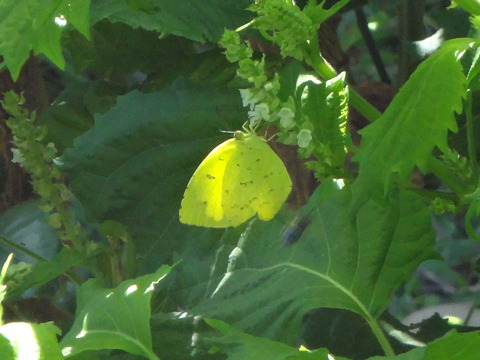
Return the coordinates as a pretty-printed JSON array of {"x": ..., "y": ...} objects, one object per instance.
[
  {"x": 472, "y": 151},
  {"x": 326, "y": 72},
  {"x": 362, "y": 24}
]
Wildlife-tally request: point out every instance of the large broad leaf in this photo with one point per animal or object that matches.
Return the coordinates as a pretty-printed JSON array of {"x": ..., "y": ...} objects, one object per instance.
[
  {"x": 472, "y": 6},
  {"x": 453, "y": 346},
  {"x": 134, "y": 164},
  {"x": 240, "y": 346},
  {"x": 350, "y": 258},
  {"x": 37, "y": 25},
  {"x": 417, "y": 120},
  {"x": 195, "y": 20},
  {"x": 72, "y": 112},
  {"x": 114, "y": 318}
]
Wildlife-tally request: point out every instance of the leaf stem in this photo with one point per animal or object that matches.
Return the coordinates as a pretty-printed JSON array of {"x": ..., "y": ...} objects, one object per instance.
[
  {"x": 472, "y": 151},
  {"x": 380, "y": 335},
  {"x": 363, "y": 311},
  {"x": 366, "y": 109},
  {"x": 21, "y": 249},
  {"x": 327, "y": 72},
  {"x": 440, "y": 170}
]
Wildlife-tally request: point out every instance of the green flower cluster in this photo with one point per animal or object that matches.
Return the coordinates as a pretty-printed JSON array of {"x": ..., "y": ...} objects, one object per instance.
[
  {"x": 440, "y": 206},
  {"x": 16, "y": 274},
  {"x": 291, "y": 27},
  {"x": 459, "y": 165},
  {"x": 313, "y": 115},
  {"x": 37, "y": 158},
  {"x": 262, "y": 99}
]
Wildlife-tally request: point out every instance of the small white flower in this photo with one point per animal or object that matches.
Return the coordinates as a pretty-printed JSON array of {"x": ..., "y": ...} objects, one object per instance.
[
  {"x": 259, "y": 112},
  {"x": 250, "y": 98},
  {"x": 247, "y": 96},
  {"x": 17, "y": 156},
  {"x": 286, "y": 116},
  {"x": 268, "y": 86},
  {"x": 304, "y": 137}
]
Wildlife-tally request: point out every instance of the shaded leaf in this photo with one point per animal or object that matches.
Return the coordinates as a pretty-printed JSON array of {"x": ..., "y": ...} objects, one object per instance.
[
  {"x": 72, "y": 112},
  {"x": 194, "y": 20},
  {"x": 240, "y": 346},
  {"x": 24, "y": 225},
  {"x": 342, "y": 332},
  {"x": 134, "y": 164},
  {"x": 453, "y": 346},
  {"x": 417, "y": 120}
]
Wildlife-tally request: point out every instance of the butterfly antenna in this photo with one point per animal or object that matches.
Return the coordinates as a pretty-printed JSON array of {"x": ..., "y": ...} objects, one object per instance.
[{"x": 227, "y": 131}]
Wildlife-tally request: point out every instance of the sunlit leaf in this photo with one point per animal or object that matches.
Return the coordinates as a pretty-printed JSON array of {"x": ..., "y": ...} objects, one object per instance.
[
  {"x": 29, "y": 341},
  {"x": 418, "y": 119},
  {"x": 114, "y": 318},
  {"x": 37, "y": 25}
]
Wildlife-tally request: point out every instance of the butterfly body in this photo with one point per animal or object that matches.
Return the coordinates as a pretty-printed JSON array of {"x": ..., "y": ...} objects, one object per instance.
[
  {"x": 294, "y": 231},
  {"x": 240, "y": 178}
]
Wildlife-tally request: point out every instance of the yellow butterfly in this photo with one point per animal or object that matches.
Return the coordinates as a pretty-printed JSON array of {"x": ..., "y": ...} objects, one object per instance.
[{"x": 240, "y": 178}]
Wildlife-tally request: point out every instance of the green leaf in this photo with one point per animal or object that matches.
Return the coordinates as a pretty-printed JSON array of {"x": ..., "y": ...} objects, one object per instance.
[
  {"x": 453, "y": 346},
  {"x": 349, "y": 258},
  {"x": 30, "y": 341},
  {"x": 145, "y": 58},
  {"x": 71, "y": 114},
  {"x": 474, "y": 67},
  {"x": 24, "y": 226},
  {"x": 27, "y": 25},
  {"x": 114, "y": 318},
  {"x": 134, "y": 164},
  {"x": 325, "y": 105},
  {"x": 199, "y": 21},
  {"x": 6, "y": 349},
  {"x": 417, "y": 120},
  {"x": 471, "y": 6},
  {"x": 415, "y": 354},
  {"x": 240, "y": 346},
  {"x": 342, "y": 332},
  {"x": 472, "y": 213},
  {"x": 44, "y": 271}
]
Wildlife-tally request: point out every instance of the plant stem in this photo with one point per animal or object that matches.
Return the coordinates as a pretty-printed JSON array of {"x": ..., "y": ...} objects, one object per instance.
[
  {"x": 327, "y": 72},
  {"x": 362, "y": 24},
  {"x": 380, "y": 335},
  {"x": 366, "y": 109},
  {"x": 438, "y": 168},
  {"x": 411, "y": 29},
  {"x": 234, "y": 256},
  {"x": 472, "y": 151}
]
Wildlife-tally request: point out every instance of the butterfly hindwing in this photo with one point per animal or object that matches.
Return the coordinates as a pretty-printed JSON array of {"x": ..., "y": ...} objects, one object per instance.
[{"x": 238, "y": 179}]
